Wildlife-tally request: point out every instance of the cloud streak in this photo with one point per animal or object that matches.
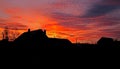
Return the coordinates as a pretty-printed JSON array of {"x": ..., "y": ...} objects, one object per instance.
[{"x": 102, "y": 8}]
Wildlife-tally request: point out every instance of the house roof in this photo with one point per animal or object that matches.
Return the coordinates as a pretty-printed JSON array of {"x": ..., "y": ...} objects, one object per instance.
[{"x": 32, "y": 35}]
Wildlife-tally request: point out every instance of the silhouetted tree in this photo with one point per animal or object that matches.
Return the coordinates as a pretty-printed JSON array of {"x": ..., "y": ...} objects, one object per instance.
[
  {"x": 5, "y": 34},
  {"x": 14, "y": 34}
]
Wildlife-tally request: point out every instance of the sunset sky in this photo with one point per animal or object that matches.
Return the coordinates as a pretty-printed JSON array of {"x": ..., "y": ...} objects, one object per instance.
[{"x": 84, "y": 20}]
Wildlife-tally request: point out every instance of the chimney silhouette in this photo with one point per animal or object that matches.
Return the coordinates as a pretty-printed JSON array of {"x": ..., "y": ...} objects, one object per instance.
[
  {"x": 44, "y": 32},
  {"x": 28, "y": 30}
]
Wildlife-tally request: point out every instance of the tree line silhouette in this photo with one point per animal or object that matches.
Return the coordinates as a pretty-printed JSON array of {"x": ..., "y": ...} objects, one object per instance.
[{"x": 38, "y": 39}]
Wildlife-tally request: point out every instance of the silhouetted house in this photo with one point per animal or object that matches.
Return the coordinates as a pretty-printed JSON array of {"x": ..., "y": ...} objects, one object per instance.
[
  {"x": 31, "y": 38},
  {"x": 117, "y": 44},
  {"x": 39, "y": 39},
  {"x": 59, "y": 43},
  {"x": 105, "y": 42}
]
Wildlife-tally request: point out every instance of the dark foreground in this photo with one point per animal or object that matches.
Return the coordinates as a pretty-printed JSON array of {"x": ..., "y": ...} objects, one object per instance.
[{"x": 12, "y": 45}]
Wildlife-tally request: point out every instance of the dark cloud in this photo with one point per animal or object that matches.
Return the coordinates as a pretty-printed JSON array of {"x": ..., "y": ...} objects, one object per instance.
[
  {"x": 115, "y": 30},
  {"x": 71, "y": 35},
  {"x": 106, "y": 21},
  {"x": 13, "y": 26},
  {"x": 112, "y": 32},
  {"x": 62, "y": 16},
  {"x": 102, "y": 8},
  {"x": 112, "y": 2},
  {"x": 72, "y": 21}
]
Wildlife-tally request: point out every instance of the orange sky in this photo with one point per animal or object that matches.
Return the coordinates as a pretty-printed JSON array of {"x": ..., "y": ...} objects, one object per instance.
[{"x": 83, "y": 20}]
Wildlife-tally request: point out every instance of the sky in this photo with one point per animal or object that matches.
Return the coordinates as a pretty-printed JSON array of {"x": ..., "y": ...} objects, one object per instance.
[{"x": 83, "y": 20}]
